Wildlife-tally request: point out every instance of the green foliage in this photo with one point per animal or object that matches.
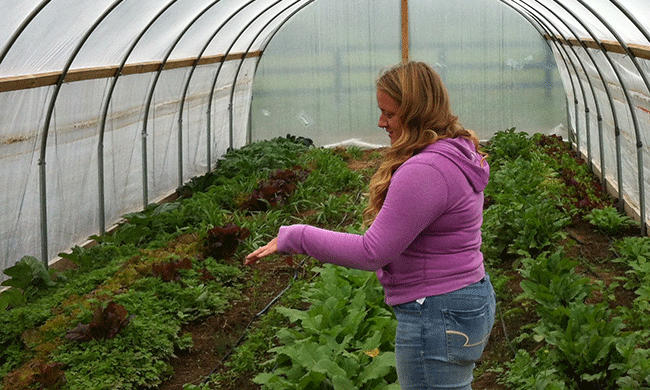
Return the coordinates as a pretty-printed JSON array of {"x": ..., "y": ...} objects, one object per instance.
[
  {"x": 609, "y": 220},
  {"x": 551, "y": 281},
  {"x": 522, "y": 177},
  {"x": 120, "y": 268},
  {"x": 634, "y": 252},
  {"x": 582, "y": 191},
  {"x": 524, "y": 226},
  {"x": 582, "y": 341},
  {"x": 333, "y": 343},
  {"x": 345, "y": 338},
  {"x": 27, "y": 277},
  {"x": 635, "y": 365},
  {"x": 585, "y": 347},
  {"x": 137, "y": 356},
  {"x": 507, "y": 145},
  {"x": 534, "y": 372},
  {"x": 524, "y": 215},
  {"x": 277, "y": 153}
]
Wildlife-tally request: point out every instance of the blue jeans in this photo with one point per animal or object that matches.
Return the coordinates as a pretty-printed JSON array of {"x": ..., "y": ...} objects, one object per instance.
[{"x": 438, "y": 342}]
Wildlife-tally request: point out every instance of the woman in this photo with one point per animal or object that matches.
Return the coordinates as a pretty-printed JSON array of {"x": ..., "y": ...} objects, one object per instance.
[{"x": 425, "y": 215}]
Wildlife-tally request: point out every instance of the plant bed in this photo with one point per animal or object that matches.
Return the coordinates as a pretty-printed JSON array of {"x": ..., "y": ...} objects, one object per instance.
[{"x": 199, "y": 319}]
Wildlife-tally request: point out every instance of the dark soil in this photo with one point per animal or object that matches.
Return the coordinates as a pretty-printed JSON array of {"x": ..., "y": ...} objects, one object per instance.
[{"x": 216, "y": 337}]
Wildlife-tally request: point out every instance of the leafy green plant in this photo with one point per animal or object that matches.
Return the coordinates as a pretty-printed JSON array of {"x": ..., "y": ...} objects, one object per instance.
[
  {"x": 526, "y": 226},
  {"x": 534, "y": 371},
  {"x": 582, "y": 341},
  {"x": 508, "y": 145},
  {"x": 551, "y": 281},
  {"x": 609, "y": 220},
  {"x": 635, "y": 365},
  {"x": 343, "y": 341},
  {"x": 27, "y": 277},
  {"x": 634, "y": 252},
  {"x": 582, "y": 191},
  {"x": 585, "y": 347}
]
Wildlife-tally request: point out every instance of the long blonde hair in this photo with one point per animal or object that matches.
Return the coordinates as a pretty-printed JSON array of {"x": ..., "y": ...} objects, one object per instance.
[{"x": 425, "y": 116}]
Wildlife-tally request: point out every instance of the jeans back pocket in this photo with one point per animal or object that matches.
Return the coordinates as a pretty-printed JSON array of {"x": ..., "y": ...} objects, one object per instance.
[{"x": 467, "y": 332}]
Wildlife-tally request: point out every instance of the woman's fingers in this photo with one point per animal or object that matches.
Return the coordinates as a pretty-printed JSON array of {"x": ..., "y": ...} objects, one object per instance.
[{"x": 264, "y": 251}]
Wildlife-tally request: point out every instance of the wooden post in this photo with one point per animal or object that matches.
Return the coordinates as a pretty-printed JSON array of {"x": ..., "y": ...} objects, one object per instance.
[{"x": 405, "y": 30}]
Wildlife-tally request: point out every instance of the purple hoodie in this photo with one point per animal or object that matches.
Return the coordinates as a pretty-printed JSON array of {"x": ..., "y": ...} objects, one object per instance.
[{"x": 426, "y": 239}]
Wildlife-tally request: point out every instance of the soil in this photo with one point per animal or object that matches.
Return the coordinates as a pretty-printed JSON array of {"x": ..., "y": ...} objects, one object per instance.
[{"x": 215, "y": 337}]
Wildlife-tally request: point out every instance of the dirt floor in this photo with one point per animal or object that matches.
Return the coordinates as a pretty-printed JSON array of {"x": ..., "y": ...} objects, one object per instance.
[{"x": 216, "y": 337}]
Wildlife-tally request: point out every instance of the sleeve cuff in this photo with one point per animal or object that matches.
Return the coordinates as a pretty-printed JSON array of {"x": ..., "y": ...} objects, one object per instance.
[{"x": 290, "y": 239}]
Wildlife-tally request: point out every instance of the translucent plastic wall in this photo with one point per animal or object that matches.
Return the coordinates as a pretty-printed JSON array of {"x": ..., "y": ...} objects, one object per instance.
[
  {"x": 316, "y": 77},
  {"x": 108, "y": 106},
  {"x": 602, "y": 49}
]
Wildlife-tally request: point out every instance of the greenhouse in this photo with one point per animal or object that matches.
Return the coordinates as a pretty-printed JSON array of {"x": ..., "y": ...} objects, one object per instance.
[{"x": 118, "y": 115}]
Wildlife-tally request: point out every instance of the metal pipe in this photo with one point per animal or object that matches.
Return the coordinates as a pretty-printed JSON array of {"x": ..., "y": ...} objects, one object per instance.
[
  {"x": 187, "y": 85},
  {"x": 102, "y": 126},
  {"x": 46, "y": 128},
  {"x": 263, "y": 47},
  {"x": 241, "y": 63},
  {"x": 635, "y": 122},
  {"x": 21, "y": 28},
  {"x": 593, "y": 92},
  {"x": 232, "y": 44},
  {"x": 152, "y": 89},
  {"x": 645, "y": 32},
  {"x": 249, "y": 128},
  {"x": 214, "y": 84},
  {"x": 565, "y": 57},
  {"x": 588, "y": 80}
]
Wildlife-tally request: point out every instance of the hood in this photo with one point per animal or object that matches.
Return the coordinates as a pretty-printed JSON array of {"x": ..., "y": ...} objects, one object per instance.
[{"x": 463, "y": 154}]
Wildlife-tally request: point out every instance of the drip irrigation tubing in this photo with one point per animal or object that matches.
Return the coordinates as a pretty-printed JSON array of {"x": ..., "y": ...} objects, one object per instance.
[{"x": 256, "y": 316}]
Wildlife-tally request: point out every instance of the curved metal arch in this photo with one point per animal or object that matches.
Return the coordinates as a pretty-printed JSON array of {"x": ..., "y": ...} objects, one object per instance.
[
  {"x": 152, "y": 90},
  {"x": 46, "y": 128},
  {"x": 632, "y": 18},
  {"x": 580, "y": 82},
  {"x": 565, "y": 57},
  {"x": 628, "y": 98},
  {"x": 22, "y": 28},
  {"x": 107, "y": 102},
  {"x": 216, "y": 76},
  {"x": 270, "y": 38},
  {"x": 596, "y": 102},
  {"x": 617, "y": 131},
  {"x": 185, "y": 90},
  {"x": 263, "y": 49},
  {"x": 624, "y": 45},
  {"x": 241, "y": 63}
]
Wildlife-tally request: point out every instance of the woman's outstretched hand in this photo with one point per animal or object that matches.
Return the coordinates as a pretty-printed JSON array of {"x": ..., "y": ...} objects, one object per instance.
[{"x": 263, "y": 251}]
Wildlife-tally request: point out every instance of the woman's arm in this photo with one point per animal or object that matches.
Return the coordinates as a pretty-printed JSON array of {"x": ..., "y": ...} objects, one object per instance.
[{"x": 416, "y": 197}]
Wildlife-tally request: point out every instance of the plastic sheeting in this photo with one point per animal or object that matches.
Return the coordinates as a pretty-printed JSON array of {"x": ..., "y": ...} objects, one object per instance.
[
  {"x": 498, "y": 69},
  {"x": 602, "y": 51},
  {"x": 108, "y": 105}
]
